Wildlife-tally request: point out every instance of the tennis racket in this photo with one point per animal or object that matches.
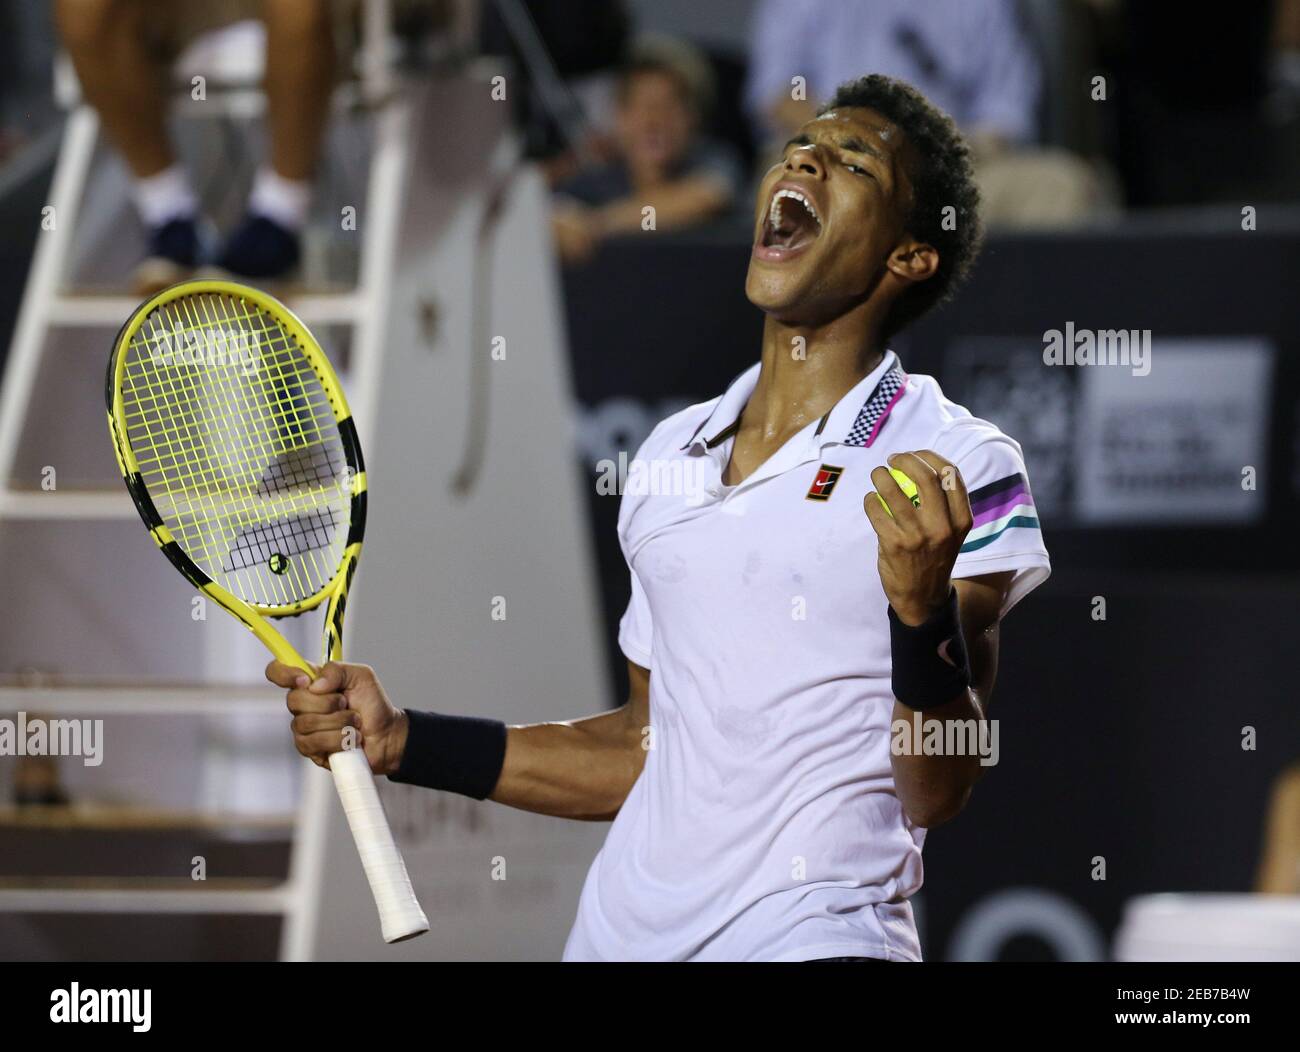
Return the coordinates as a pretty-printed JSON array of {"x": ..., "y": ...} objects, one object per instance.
[{"x": 240, "y": 453}]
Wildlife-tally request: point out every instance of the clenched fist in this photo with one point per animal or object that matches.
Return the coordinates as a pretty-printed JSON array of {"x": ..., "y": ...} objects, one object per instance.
[
  {"x": 919, "y": 545},
  {"x": 342, "y": 699}
]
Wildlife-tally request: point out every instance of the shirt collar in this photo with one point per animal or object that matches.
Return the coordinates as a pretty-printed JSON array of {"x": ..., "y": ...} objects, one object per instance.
[
  {"x": 855, "y": 420},
  {"x": 721, "y": 424}
]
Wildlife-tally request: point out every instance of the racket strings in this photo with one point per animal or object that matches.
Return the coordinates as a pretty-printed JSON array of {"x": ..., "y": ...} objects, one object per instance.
[
  {"x": 237, "y": 444},
  {"x": 212, "y": 433},
  {"x": 284, "y": 427},
  {"x": 183, "y": 389},
  {"x": 289, "y": 433},
  {"x": 258, "y": 543},
  {"x": 174, "y": 390}
]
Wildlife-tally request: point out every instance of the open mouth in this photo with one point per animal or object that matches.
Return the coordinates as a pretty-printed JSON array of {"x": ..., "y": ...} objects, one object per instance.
[{"x": 792, "y": 224}]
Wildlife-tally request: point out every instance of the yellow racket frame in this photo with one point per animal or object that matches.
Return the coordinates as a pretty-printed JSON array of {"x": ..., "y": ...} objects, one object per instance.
[
  {"x": 253, "y": 616},
  {"x": 399, "y": 910}
]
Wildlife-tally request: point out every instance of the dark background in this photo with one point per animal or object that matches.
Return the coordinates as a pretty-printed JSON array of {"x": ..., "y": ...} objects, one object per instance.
[{"x": 1120, "y": 739}]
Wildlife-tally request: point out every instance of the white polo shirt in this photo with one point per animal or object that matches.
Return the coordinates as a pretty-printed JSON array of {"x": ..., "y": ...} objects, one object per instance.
[{"x": 765, "y": 826}]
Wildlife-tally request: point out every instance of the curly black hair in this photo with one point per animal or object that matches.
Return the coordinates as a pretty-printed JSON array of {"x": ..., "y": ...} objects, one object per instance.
[{"x": 942, "y": 177}]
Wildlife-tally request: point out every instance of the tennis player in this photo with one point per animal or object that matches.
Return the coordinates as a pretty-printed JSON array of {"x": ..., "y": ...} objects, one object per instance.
[{"x": 786, "y": 628}]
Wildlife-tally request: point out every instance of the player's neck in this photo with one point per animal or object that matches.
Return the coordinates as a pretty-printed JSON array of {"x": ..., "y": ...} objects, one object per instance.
[{"x": 806, "y": 370}]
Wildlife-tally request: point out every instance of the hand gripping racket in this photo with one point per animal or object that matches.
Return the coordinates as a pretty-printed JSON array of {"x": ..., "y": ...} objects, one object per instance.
[{"x": 238, "y": 448}]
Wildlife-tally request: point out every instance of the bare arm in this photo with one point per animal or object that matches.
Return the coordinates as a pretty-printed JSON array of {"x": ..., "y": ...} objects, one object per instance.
[
  {"x": 934, "y": 789},
  {"x": 579, "y": 768},
  {"x": 918, "y": 548},
  {"x": 677, "y": 203},
  {"x": 579, "y": 228}
]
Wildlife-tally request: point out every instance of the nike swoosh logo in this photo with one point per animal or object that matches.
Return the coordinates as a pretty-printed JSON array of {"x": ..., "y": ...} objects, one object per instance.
[{"x": 943, "y": 651}]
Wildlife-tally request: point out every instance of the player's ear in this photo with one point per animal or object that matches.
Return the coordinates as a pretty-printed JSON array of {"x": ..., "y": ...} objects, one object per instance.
[{"x": 913, "y": 260}]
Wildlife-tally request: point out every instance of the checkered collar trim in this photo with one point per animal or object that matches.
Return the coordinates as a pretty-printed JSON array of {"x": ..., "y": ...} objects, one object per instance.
[
  {"x": 866, "y": 425},
  {"x": 879, "y": 404}
]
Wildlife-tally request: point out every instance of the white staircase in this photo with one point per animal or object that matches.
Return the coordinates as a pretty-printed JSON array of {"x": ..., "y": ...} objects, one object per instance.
[
  {"x": 455, "y": 258},
  {"x": 91, "y": 527}
]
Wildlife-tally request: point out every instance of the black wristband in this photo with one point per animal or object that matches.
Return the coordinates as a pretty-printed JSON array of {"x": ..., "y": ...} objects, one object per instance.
[
  {"x": 930, "y": 666},
  {"x": 460, "y": 754}
]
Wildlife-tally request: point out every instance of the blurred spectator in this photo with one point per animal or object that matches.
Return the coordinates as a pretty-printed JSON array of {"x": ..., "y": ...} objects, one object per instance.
[
  {"x": 586, "y": 41},
  {"x": 122, "y": 51},
  {"x": 660, "y": 158},
  {"x": 971, "y": 57}
]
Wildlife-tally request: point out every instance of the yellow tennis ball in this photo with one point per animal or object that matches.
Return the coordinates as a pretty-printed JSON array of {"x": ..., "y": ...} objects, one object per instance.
[{"x": 906, "y": 485}]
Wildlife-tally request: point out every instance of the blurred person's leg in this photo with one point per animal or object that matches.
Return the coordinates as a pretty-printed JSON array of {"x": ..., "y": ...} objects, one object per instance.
[
  {"x": 299, "y": 81},
  {"x": 124, "y": 79},
  {"x": 120, "y": 76}
]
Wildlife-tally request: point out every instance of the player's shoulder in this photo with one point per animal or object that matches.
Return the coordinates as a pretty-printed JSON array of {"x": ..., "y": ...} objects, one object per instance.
[{"x": 954, "y": 431}]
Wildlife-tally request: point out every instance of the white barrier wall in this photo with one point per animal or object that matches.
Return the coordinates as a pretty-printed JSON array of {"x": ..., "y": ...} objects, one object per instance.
[{"x": 495, "y": 883}]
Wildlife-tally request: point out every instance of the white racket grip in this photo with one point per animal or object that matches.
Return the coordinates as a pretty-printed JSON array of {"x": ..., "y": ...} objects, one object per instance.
[{"x": 400, "y": 916}]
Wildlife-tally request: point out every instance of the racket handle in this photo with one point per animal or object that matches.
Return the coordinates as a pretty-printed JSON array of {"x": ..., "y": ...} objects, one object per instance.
[{"x": 400, "y": 916}]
